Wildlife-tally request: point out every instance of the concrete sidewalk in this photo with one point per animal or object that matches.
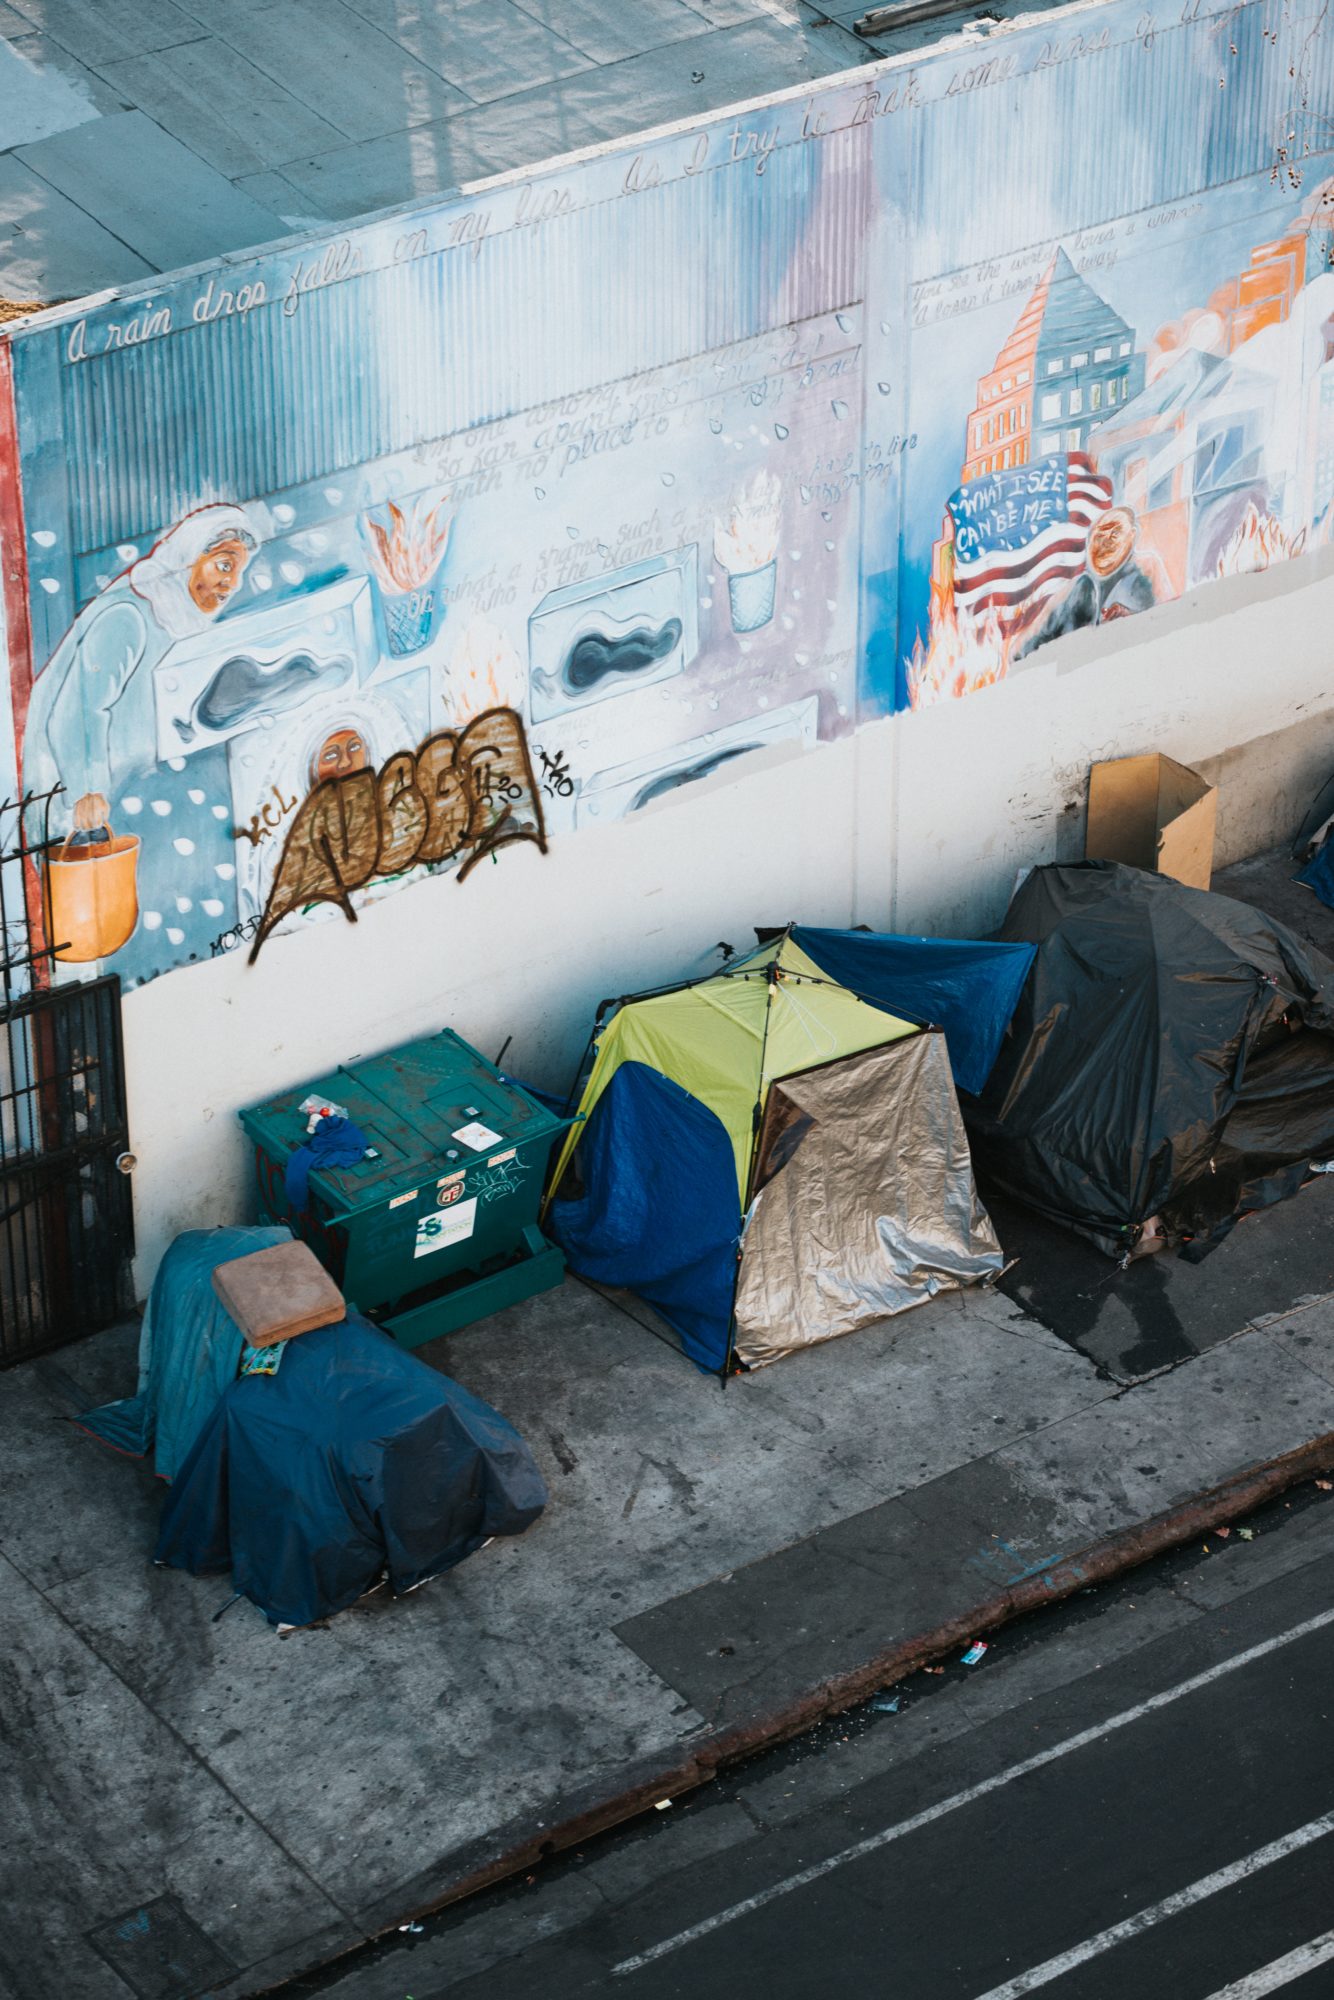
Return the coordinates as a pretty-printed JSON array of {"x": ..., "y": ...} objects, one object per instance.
[{"x": 716, "y": 1567}]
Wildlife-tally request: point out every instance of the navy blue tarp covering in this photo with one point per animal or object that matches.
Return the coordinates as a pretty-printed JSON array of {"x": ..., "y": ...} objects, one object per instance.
[
  {"x": 1318, "y": 873},
  {"x": 353, "y": 1462},
  {"x": 660, "y": 1212},
  {"x": 968, "y": 988},
  {"x": 189, "y": 1350}
]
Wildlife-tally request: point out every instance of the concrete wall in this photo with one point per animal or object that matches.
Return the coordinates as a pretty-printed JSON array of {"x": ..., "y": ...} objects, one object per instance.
[
  {"x": 917, "y": 822},
  {"x": 1235, "y": 680}
]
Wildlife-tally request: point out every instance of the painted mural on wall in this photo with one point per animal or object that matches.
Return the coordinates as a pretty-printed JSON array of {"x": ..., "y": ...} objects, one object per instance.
[
  {"x": 1142, "y": 427},
  {"x": 862, "y": 433},
  {"x": 280, "y": 710}
]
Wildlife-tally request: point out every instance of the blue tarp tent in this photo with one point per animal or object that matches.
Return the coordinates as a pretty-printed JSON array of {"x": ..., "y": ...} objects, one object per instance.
[
  {"x": 189, "y": 1349},
  {"x": 355, "y": 1462},
  {"x": 968, "y": 988},
  {"x": 1318, "y": 873},
  {"x": 730, "y": 1097}
]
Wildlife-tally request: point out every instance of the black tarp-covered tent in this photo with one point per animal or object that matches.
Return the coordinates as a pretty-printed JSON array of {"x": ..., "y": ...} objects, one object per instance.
[{"x": 1170, "y": 1064}]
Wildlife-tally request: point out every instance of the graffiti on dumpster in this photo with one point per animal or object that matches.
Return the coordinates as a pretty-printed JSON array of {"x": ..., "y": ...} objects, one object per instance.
[{"x": 499, "y": 1179}]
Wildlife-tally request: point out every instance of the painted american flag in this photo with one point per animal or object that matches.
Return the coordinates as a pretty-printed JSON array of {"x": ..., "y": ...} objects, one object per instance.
[{"x": 1022, "y": 534}]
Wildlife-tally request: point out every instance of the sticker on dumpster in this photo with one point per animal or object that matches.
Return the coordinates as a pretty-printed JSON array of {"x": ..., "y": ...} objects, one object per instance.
[
  {"x": 499, "y": 1159},
  {"x": 437, "y": 1231},
  {"x": 399, "y": 1199},
  {"x": 478, "y": 1136},
  {"x": 448, "y": 1192}
]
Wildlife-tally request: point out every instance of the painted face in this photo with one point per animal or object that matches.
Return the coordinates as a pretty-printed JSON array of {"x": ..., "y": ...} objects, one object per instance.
[
  {"x": 215, "y": 575},
  {"x": 340, "y": 753},
  {"x": 1110, "y": 541}
]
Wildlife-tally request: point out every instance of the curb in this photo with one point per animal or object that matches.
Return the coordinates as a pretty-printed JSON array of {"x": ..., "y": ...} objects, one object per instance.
[{"x": 512, "y": 1849}]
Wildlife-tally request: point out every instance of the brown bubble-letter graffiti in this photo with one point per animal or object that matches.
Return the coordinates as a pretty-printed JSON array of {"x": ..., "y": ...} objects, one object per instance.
[
  {"x": 403, "y": 814},
  {"x": 471, "y": 790},
  {"x": 447, "y": 806},
  {"x": 332, "y": 848},
  {"x": 506, "y": 806}
]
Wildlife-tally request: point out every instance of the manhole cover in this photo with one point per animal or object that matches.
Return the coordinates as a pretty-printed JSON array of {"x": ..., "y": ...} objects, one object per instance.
[{"x": 159, "y": 1952}]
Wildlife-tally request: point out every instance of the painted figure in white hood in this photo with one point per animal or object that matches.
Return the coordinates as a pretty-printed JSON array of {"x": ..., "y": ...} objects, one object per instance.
[
  {"x": 91, "y": 727},
  {"x": 92, "y": 708}
]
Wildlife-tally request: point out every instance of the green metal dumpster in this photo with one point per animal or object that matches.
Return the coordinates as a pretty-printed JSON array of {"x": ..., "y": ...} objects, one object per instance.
[{"x": 440, "y": 1227}]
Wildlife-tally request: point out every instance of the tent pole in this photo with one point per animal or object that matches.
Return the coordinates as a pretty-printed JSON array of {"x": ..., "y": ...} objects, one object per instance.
[
  {"x": 579, "y": 1070},
  {"x": 811, "y": 979},
  {"x": 756, "y": 1117},
  {"x": 679, "y": 986}
]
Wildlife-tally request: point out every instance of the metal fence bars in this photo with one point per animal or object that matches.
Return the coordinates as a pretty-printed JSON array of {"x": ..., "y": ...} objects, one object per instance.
[{"x": 66, "y": 1217}]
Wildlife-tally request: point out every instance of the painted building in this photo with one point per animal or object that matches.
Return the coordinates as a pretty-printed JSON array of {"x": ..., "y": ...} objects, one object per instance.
[
  {"x": 1069, "y": 360},
  {"x": 549, "y": 576},
  {"x": 1262, "y": 295},
  {"x": 1224, "y": 456}
]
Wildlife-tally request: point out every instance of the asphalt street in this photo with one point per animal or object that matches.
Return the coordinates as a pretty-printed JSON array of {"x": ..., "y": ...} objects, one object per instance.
[
  {"x": 1096, "y": 1871},
  {"x": 1127, "y": 1798}
]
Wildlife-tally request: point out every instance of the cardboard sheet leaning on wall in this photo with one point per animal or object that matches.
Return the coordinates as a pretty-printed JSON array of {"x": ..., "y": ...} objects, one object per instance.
[{"x": 1152, "y": 812}]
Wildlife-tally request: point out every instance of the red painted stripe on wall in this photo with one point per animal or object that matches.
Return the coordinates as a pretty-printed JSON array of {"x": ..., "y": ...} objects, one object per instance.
[
  {"x": 14, "y": 551},
  {"x": 18, "y": 629}
]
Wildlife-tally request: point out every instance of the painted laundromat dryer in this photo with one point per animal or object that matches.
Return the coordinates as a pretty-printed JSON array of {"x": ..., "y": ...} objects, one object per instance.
[{"x": 774, "y": 1155}]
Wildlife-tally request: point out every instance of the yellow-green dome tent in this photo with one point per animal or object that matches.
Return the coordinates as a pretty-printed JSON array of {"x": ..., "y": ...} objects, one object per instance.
[{"x": 770, "y": 1156}]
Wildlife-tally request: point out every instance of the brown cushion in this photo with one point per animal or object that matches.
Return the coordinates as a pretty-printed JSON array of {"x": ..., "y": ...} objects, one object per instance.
[{"x": 275, "y": 1293}]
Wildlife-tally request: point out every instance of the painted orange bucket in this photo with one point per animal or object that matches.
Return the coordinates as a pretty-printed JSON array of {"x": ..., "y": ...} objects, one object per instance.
[{"x": 93, "y": 898}]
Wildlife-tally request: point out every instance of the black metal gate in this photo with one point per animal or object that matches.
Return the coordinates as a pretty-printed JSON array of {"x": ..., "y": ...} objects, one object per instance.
[{"x": 66, "y": 1216}]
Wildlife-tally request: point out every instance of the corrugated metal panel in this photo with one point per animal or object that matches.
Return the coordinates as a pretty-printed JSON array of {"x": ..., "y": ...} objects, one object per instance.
[
  {"x": 993, "y": 151},
  {"x": 1085, "y": 137},
  {"x": 427, "y": 349}
]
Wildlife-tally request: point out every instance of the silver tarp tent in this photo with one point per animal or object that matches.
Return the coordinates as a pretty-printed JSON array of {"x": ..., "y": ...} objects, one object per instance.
[{"x": 866, "y": 1203}]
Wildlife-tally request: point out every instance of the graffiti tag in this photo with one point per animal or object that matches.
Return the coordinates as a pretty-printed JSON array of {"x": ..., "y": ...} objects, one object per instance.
[
  {"x": 556, "y": 780},
  {"x": 468, "y": 791},
  {"x": 240, "y": 933},
  {"x": 493, "y": 1183},
  {"x": 263, "y": 822}
]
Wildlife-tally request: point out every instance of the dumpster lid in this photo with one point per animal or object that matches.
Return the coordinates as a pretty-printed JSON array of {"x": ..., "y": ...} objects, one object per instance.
[{"x": 432, "y": 1108}]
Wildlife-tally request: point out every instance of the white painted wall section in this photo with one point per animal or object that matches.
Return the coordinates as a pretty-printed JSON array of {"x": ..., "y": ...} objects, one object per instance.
[{"x": 917, "y": 823}]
